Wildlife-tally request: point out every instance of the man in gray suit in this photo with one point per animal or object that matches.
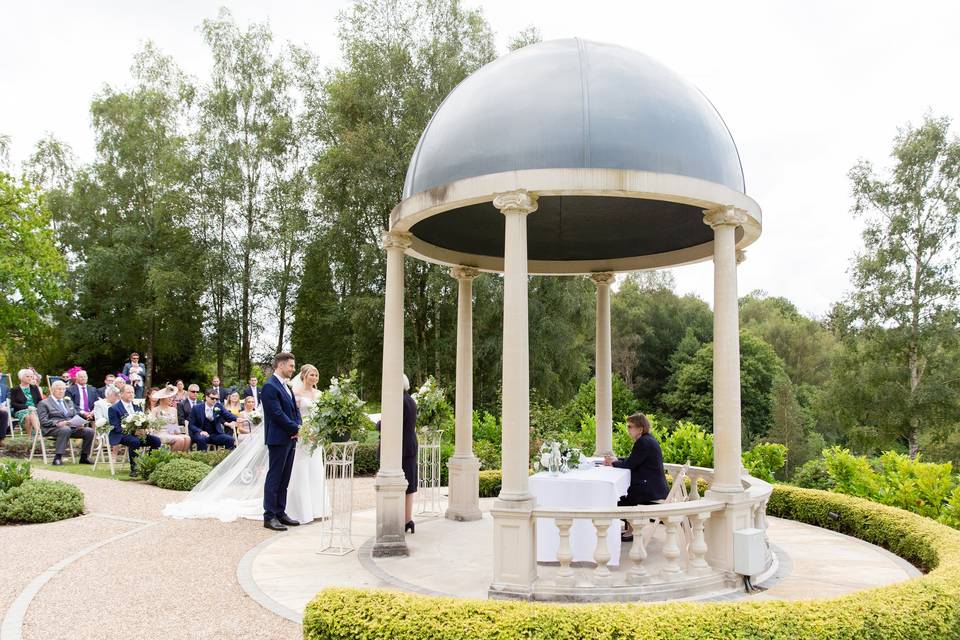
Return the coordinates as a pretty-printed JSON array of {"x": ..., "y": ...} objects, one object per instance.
[{"x": 54, "y": 414}]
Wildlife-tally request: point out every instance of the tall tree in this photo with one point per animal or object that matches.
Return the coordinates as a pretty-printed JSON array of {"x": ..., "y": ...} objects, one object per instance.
[{"x": 906, "y": 277}]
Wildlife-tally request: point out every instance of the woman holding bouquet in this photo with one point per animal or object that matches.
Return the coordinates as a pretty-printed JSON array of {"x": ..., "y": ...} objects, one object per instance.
[
  {"x": 165, "y": 413},
  {"x": 245, "y": 424}
]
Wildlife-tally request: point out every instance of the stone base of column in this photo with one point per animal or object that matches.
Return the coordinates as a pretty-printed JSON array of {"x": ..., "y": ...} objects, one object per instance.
[
  {"x": 391, "y": 489},
  {"x": 601, "y": 454},
  {"x": 464, "y": 490},
  {"x": 514, "y": 549},
  {"x": 718, "y": 530}
]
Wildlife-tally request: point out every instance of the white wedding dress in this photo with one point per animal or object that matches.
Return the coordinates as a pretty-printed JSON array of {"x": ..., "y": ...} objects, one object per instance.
[{"x": 234, "y": 489}]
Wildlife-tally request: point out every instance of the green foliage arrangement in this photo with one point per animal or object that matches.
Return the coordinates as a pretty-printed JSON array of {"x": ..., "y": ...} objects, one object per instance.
[
  {"x": 336, "y": 416},
  {"x": 37, "y": 501},
  {"x": 13, "y": 473},
  {"x": 928, "y": 607},
  {"x": 180, "y": 474},
  {"x": 433, "y": 409},
  {"x": 765, "y": 459}
]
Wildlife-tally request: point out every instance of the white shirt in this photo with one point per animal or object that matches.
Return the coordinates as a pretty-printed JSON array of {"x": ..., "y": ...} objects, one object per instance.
[
  {"x": 209, "y": 411},
  {"x": 256, "y": 400},
  {"x": 128, "y": 407},
  {"x": 284, "y": 383}
]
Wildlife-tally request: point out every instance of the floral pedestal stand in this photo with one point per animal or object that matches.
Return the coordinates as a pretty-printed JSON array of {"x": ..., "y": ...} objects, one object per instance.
[
  {"x": 428, "y": 473},
  {"x": 336, "y": 537}
]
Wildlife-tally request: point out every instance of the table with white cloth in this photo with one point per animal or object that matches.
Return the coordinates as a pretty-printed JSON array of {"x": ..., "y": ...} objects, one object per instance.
[{"x": 596, "y": 487}]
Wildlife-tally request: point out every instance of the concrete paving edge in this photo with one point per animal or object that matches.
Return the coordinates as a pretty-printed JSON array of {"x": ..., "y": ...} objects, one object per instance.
[{"x": 249, "y": 585}]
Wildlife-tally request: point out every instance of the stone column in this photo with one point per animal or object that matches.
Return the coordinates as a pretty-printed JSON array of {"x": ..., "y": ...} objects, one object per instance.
[
  {"x": 726, "y": 484},
  {"x": 390, "y": 483},
  {"x": 514, "y": 532},
  {"x": 604, "y": 388},
  {"x": 464, "y": 502}
]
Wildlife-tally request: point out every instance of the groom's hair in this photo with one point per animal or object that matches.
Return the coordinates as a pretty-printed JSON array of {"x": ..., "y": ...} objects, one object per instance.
[{"x": 283, "y": 356}]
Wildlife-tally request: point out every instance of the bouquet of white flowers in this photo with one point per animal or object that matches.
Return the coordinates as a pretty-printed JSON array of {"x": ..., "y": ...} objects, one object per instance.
[
  {"x": 335, "y": 417},
  {"x": 256, "y": 417},
  {"x": 101, "y": 424},
  {"x": 136, "y": 423},
  {"x": 433, "y": 410},
  {"x": 557, "y": 457}
]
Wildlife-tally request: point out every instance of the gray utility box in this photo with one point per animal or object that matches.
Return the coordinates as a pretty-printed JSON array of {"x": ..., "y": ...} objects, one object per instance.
[{"x": 749, "y": 551}]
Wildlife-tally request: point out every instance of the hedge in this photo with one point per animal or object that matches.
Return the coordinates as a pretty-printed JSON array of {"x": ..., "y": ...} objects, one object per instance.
[
  {"x": 922, "y": 608},
  {"x": 180, "y": 474},
  {"x": 37, "y": 501}
]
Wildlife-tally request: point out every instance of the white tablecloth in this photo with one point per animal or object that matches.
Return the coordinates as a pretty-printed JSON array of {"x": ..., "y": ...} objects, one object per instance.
[{"x": 599, "y": 487}]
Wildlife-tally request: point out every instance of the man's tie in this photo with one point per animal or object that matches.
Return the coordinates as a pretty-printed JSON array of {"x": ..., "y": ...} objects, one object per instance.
[
  {"x": 83, "y": 398},
  {"x": 63, "y": 409}
]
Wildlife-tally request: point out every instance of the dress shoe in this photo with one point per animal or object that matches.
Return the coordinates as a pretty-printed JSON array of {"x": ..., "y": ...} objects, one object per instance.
[
  {"x": 134, "y": 474},
  {"x": 287, "y": 520},
  {"x": 410, "y": 526},
  {"x": 274, "y": 524},
  {"x": 57, "y": 462},
  {"x": 85, "y": 460}
]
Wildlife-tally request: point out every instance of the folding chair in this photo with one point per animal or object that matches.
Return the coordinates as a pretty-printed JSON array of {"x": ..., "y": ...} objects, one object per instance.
[{"x": 38, "y": 437}]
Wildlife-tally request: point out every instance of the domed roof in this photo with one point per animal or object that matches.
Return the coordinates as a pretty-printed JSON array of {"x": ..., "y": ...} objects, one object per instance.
[{"x": 571, "y": 104}]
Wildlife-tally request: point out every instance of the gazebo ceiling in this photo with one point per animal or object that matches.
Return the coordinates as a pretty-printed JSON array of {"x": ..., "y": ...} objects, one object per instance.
[{"x": 623, "y": 154}]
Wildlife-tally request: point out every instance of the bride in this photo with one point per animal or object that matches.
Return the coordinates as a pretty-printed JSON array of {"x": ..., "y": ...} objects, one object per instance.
[{"x": 234, "y": 489}]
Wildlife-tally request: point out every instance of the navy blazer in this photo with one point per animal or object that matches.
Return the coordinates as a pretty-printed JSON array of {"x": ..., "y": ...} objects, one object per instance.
[
  {"x": 248, "y": 392},
  {"x": 198, "y": 419},
  {"x": 73, "y": 391},
  {"x": 648, "y": 480},
  {"x": 281, "y": 415},
  {"x": 116, "y": 414}
]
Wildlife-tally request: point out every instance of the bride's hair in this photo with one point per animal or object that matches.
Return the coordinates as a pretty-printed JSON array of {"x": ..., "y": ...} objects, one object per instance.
[{"x": 298, "y": 382}]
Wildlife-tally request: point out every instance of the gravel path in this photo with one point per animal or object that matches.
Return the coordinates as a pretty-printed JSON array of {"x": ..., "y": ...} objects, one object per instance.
[{"x": 172, "y": 579}]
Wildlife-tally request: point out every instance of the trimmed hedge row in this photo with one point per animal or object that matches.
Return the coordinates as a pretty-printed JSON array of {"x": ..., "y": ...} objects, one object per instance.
[
  {"x": 923, "y": 608},
  {"x": 35, "y": 501},
  {"x": 180, "y": 474}
]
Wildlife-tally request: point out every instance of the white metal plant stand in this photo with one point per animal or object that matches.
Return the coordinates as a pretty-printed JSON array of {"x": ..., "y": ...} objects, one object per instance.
[
  {"x": 336, "y": 537},
  {"x": 428, "y": 473}
]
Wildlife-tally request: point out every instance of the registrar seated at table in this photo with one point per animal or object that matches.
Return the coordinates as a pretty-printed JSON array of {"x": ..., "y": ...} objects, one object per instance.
[{"x": 648, "y": 482}]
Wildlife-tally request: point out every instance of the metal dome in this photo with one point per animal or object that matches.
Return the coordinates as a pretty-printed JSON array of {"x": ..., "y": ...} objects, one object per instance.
[{"x": 623, "y": 155}]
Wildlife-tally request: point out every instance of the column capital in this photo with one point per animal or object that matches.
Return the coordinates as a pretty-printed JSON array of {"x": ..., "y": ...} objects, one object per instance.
[
  {"x": 396, "y": 240},
  {"x": 603, "y": 278},
  {"x": 520, "y": 201},
  {"x": 464, "y": 273},
  {"x": 724, "y": 216},
  {"x": 741, "y": 255}
]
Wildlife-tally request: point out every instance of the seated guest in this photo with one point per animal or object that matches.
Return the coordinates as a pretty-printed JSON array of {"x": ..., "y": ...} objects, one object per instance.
[
  {"x": 83, "y": 395},
  {"x": 107, "y": 382},
  {"x": 135, "y": 372},
  {"x": 648, "y": 478},
  {"x": 24, "y": 400},
  {"x": 170, "y": 434},
  {"x": 185, "y": 406},
  {"x": 117, "y": 437},
  {"x": 181, "y": 393},
  {"x": 206, "y": 423},
  {"x": 101, "y": 408},
  {"x": 252, "y": 390},
  {"x": 54, "y": 415},
  {"x": 151, "y": 402},
  {"x": 233, "y": 405},
  {"x": 245, "y": 423}
]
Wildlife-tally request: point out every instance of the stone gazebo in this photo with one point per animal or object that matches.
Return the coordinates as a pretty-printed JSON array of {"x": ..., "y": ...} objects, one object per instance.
[{"x": 571, "y": 157}]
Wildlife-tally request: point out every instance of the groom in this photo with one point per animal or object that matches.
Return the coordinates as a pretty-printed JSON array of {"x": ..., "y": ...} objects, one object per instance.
[{"x": 281, "y": 424}]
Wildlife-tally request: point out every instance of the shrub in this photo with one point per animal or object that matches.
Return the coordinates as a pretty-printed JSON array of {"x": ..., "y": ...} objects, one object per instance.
[
  {"x": 851, "y": 474},
  {"x": 765, "y": 459},
  {"x": 488, "y": 453},
  {"x": 927, "y": 607},
  {"x": 687, "y": 442},
  {"x": 37, "y": 501},
  {"x": 17, "y": 447},
  {"x": 149, "y": 462},
  {"x": 813, "y": 474},
  {"x": 180, "y": 474},
  {"x": 13, "y": 473},
  {"x": 487, "y": 427},
  {"x": 365, "y": 460},
  {"x": 209, "y": 458},
  {"x": 490, "y": 481}
]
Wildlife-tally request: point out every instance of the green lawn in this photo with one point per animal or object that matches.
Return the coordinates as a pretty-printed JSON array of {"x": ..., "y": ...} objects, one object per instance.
[{"x": 22, "y": 446}]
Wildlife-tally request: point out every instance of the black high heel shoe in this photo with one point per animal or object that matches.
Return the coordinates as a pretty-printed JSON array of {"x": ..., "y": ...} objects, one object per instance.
[{"x": 410, "y": 526}]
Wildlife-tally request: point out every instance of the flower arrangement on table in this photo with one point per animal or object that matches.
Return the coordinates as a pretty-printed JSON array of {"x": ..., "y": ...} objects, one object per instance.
[
  {"x": 433, "y": 411},
  {"x": 557, "y": 456},
  {"x": 336, "y": 416}
]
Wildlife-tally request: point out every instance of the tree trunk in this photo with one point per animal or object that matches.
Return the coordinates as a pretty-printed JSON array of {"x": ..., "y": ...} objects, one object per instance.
[{"x": 914, "y": 357}]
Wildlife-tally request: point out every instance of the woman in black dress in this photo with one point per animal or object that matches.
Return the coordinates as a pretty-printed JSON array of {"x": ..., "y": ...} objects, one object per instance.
[
  {"x": 648, "y": 481},
  {"x": 410, "y": 447}
]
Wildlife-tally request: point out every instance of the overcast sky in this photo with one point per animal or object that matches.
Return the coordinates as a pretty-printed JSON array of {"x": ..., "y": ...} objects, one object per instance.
[{"x": 806, "y": 88}]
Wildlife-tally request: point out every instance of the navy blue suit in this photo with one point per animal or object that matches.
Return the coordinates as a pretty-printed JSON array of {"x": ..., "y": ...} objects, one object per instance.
[
  {"x": 73, "y": 391},
  {"x": 215, "y": 432},
  {"x": 648, "y": 480},
  {"x": 116, "y": 413},
  {"x": 281, "y": 421}
]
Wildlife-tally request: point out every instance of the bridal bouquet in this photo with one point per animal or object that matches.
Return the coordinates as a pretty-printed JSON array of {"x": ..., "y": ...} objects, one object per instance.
[
  {"x": 557, "y": 457},
  {"x": 256, "y": 417},
  {"x": 137, "y": 423},
  {"x": 336, "y": 415}
]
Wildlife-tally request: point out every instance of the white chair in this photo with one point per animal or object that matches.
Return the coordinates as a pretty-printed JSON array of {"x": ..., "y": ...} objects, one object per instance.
[
  {"x": 103, "y": 451},
  {"x": 678, "y": 493},
  {"x": 38, "y": 437}
]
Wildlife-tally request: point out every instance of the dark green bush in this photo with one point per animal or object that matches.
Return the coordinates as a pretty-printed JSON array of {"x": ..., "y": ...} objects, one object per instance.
[
  {"x": 490, "y": 481},
  {"x": 919, "y": 609},
  {"x": 813, "y": 474},
  {"x": 365, "y": 461},
  {"x": 209, "y": 458},
  {"x": 13, "y": 473},
  {"x": 37, "y": 501},
  {"x": 149, "y": 462},
  {"x": 17, "y": 447},
  {"x": 180, "y": 474}
]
